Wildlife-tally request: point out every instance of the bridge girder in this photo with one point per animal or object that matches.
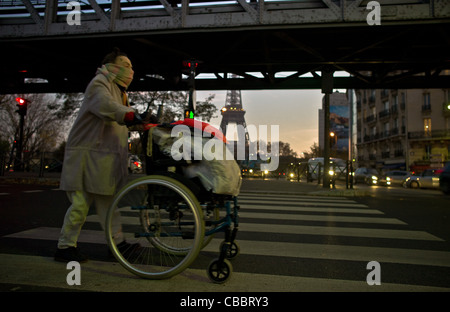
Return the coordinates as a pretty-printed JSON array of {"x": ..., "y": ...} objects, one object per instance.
[{"x": 256, "y": 40}]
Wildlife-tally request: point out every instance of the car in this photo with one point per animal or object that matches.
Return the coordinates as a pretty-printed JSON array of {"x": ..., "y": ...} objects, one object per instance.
[
  {"x": 370, "y": 176},
  {"x": 134, "y": 164},
  {"x": 444, "y": 179},
  {"x": 429, "y": 178},
  {"x": 394, "y": 177}
]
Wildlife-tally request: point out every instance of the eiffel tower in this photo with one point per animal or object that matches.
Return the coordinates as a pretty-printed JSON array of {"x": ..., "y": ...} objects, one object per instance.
[{"x": 233, "y": 113}]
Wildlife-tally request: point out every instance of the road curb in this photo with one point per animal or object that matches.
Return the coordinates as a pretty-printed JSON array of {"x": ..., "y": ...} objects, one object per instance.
[{"x": 39, "y": 181}]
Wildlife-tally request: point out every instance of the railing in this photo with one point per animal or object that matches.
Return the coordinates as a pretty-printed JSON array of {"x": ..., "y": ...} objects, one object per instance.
[
  {"x": 371, "y": 118},
  {"x": 445, "y": 133},
  {"x": 38, "y": 163},
  {"x": 384, "y": 113}
]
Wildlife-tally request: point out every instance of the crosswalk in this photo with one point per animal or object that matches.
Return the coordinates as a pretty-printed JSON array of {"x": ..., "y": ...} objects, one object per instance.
[{"x": 287, "y": 243}]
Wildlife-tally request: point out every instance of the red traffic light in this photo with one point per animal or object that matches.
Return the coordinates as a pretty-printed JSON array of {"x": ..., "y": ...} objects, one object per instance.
[
  {"x": 23, "y": 105},
  {"x": 21, "y": 101},
  {"x": 190, "y": 64}
]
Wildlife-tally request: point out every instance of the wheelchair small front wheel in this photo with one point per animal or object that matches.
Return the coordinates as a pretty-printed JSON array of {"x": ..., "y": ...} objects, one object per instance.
[
  {"x": 232, "y": 250},
  {"x": 220, "y": 271}
]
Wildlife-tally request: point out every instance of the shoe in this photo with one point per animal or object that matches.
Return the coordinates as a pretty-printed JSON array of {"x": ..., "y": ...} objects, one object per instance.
[
  {"x": 70, "y": 254},
  {"x": 126, "y": 249}
]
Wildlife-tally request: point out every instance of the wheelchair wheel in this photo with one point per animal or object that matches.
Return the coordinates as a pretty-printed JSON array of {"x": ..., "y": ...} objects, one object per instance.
[
  {"x": 220, "y": 271},
  {"x": 232, "y": 250},
  {"x": 162, "y": 222}
]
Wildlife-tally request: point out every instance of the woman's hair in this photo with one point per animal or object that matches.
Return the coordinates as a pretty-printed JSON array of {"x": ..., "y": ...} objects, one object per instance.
[{"x": 111, "y": 57}]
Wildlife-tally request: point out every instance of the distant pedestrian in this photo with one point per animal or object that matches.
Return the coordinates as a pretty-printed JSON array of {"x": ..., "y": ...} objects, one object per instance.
[{"x": 95, "y": 161}]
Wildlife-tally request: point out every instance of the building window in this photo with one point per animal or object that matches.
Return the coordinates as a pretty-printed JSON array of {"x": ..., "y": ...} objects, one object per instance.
[
  {"x": 386, "y": 129},
  {"x": 427, "y": 126},
  {"x": 402, "y": 100},
  {"x": 426, "y": 102}
]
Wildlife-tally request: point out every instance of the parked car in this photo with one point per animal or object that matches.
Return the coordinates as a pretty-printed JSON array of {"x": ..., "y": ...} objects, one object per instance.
[
  {"x": 134, "y": 164},
  {"x": 427, "y": 179},
  {"x": 394, "y": 177},
  {"x": 369, "y": 176},
  {"x": 444, "y": 179}
]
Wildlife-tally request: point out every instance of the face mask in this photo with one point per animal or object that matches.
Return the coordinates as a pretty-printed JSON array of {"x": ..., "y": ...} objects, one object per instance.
[{"x": 119, "y": 74}]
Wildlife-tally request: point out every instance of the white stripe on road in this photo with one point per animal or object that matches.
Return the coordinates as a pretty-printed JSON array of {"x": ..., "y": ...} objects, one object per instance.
[
  {"x": 295, "y": 217},
  {"x": 302, "y": 203},
  {"x": 324, "y": 218},
  {"x": 339, "y": 252},
  {"x": 314, "y": 230},
  {"x": 310, "y": 209},
  {"x": 337, "y": 231},
  {"x": 285, "y": 249},
  {"x": 243, "y": 196},
  {"x": 111, "y": 277}
]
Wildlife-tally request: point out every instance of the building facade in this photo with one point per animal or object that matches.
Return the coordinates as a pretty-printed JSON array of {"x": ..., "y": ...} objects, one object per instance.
[{"x": 402, "y": 129}]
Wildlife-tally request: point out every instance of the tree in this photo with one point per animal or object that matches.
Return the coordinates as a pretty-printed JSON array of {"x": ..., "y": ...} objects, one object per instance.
[
  {"x": 313, "y": 152},
  {"x": 286, "y": 150},
  {"x": 171, "y": 104},
  {"x": 46, "y": 123}
]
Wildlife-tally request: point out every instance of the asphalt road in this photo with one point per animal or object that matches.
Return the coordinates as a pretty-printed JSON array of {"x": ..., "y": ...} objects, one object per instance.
[{"x": 293, "y": 239}]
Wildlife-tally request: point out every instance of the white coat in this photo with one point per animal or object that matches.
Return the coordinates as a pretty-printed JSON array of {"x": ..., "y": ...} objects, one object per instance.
[{"x": 96, "y": 153}]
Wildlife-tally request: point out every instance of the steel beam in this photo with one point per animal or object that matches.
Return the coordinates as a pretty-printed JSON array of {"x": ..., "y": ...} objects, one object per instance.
[{"x": 100, "y": 17}]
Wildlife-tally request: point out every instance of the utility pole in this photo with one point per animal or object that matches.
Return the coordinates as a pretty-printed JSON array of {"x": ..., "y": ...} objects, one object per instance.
[
  {"x": 327, "y": 89},
  {"x": 190, "y": 68},
  {"x": 22, "y": 110}
]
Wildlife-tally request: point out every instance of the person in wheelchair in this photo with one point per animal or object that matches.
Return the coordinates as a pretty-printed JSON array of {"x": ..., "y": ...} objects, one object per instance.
[{"x": 95, "y": 162}]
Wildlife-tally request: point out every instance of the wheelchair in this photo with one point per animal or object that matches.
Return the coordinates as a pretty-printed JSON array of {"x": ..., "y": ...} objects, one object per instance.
[{"x": 168, "y": 218}]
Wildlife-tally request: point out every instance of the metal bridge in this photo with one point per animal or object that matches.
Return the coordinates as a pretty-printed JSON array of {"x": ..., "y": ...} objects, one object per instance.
[{"x": 51, "y": 46}]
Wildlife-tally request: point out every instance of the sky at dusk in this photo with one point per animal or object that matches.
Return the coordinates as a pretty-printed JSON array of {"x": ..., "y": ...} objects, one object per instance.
[{"x": 294, "y": 111}]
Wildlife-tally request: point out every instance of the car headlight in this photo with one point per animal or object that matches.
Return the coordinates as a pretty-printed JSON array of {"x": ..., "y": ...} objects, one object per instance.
[{"x": 388, "y": 179}]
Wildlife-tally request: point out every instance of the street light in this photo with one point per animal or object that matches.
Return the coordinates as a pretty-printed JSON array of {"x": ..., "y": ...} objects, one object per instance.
[
  {"x": 23, "y": 106},
  {"x": 333, "y": 139}
]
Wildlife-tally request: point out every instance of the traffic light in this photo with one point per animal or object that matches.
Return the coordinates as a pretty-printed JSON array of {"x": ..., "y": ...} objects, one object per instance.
[
  {"x": 23, "y": 105},
  {"x": 190, "y": 67},
  {"x": 188, "y": 114},
  {"x": 190, "y": 64}
]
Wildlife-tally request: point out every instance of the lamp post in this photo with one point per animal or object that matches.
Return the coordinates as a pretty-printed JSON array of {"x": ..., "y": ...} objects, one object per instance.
[{"x": 22, "y": 110}]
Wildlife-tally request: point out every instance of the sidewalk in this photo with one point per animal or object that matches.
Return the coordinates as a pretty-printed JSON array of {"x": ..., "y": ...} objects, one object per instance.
[{"x": 269, "y": 186}]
